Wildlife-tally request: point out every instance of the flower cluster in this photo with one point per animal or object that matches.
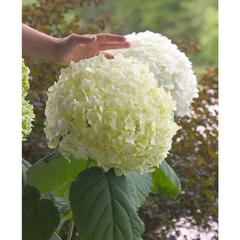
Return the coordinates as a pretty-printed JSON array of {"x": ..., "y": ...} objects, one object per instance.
[
  {"x": 27, "y": 109},
  {"x": 170, "y": 66},
  {"x": 112, "y": 112}
]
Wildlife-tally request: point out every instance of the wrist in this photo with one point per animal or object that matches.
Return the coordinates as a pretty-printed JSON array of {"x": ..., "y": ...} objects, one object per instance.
[{"x": 55, "y": 43}]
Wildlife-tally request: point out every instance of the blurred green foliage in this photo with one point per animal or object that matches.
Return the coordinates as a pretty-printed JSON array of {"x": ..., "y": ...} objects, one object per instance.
[
  {"x": 192, "y": 19},
  {"x": 193, "y": 25}
]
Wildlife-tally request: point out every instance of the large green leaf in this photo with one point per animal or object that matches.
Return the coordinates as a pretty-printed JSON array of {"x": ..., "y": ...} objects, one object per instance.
[
  {"x": 166, "y": 182},
  {"x": 55, "y": 174},
  {"x": 102, "y": 207},
  {"x": 139, "y": 186},
  {"x": 40, "y": 217}
]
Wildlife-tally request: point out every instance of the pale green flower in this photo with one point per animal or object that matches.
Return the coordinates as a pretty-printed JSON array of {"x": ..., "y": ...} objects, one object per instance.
[
  {"x": 25, "y": 75},
  {"x": 27, "y": 109},
  {"x": 170, "y": 66},
  {"x": 27, "y": 118},
  {"x": 110, "y": 111}
]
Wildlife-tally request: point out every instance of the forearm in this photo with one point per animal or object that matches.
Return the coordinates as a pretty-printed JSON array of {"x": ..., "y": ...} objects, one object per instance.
[
  {"x": 71, "y": 48},
  {"x": 38, "y": 44}
]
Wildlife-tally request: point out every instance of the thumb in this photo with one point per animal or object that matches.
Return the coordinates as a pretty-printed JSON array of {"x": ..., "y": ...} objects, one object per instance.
[{"x": 84, "y": 39}]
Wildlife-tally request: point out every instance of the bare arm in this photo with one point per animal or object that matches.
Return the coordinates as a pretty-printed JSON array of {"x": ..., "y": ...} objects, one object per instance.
[{"x": 72, "y": 48}]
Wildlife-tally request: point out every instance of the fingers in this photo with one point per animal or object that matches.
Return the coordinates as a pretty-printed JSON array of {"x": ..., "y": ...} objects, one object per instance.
[
  {"x": 107, "y": 46},
  {"x": 106, "y": 37},
  {"x": 107, "y": 55},
  {"x": 101, "y": 38},
  {"x": 82, "y": 39}
]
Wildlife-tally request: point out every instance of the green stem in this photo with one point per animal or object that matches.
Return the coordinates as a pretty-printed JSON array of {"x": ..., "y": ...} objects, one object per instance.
[
  {"x": 58, "y": 237},
  {"x": 70, "y": 231},
  {"x": 89, "y": 161},
  {"x": 87, "y": 164}
]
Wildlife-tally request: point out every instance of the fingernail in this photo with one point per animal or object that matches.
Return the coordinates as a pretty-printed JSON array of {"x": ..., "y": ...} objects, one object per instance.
[{"x": 123, "y": 39}]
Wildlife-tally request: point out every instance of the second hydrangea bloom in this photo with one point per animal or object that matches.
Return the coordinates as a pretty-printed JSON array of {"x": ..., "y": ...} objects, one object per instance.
[
  {"x": 112, "y": 112},
  {"x": 170, "y": 66}
]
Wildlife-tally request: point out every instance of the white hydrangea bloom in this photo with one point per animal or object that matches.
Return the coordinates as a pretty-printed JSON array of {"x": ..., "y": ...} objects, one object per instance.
[
  {"x": 111, "y": 111},
  {"x": 170, "y": 66}
]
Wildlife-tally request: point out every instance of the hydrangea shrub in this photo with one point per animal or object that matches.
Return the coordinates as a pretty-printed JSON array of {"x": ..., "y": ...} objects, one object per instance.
[{"x": 112, "y": 123}]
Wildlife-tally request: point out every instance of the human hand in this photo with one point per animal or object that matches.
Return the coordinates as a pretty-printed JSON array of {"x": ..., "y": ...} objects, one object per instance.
[{"x": 76, "y": 47}]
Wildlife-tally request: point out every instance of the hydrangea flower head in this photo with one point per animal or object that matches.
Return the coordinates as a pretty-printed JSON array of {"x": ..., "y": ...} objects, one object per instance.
[
  {"x": 170, "y": 66},
  {"x": 27, "y": 109},
  {"x": 112, "y": 112}
]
